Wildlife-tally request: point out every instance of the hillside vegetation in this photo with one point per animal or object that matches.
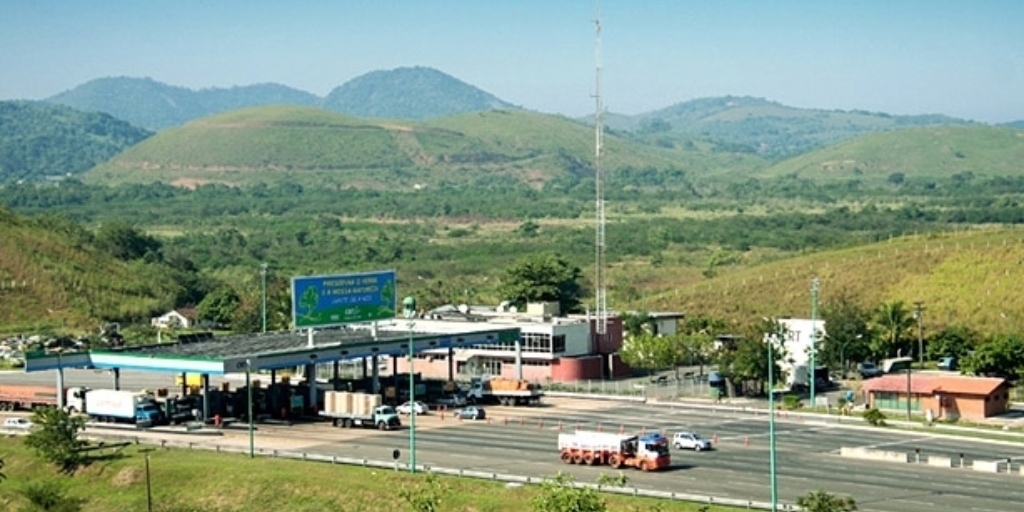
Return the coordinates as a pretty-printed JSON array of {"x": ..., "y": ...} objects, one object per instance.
[
  {"x": 273, "y": 144},
  {"x": 52, "y": 275},
  {"x": 38, "y": 140},
  {"x": 967, "y": 152},
  {"x": 967, "y": 278}
]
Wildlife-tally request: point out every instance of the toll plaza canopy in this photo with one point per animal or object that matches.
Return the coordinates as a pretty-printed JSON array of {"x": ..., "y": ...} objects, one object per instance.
[{"x": 269, "y": 351}]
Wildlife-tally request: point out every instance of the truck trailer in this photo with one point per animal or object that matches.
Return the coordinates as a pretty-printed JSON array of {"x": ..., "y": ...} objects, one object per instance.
[
  {"x": 347, "y": 409},
  {"x": 503, "y": 391},
  {"x": 647, "y": 452},
  {"x": 114, "y": 406},
  {"x": 14, "y": 397}
]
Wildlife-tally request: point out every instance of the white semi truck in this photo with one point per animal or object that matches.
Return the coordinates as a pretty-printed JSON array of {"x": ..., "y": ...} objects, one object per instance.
[
  {"x": 111, "y": 405},
  {"x": 348, "y": 410}
]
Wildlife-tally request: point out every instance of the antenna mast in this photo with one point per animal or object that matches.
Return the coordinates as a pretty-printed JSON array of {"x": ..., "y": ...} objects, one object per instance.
[{"x": 599, "y": 240}]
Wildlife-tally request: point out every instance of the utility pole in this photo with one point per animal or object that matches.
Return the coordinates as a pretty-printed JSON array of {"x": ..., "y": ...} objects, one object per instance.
[
  {"x": 919, "y": 315},
  {"x": 771, "y": 339},
  {"x": 263, "y": 288},
  {"x": 814, "y": 336}
]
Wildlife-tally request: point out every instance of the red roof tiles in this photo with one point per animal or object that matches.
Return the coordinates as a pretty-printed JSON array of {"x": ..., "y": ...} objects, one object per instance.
[{"x": 927, "y": 384}]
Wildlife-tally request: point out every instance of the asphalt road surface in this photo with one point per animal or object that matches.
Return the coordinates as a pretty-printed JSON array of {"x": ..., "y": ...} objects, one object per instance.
[{"x": 523, "y": 441}]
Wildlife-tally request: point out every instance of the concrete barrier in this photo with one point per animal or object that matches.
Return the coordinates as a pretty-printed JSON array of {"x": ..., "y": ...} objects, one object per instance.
[
  {"x": 987, "y": 466},
  {"x": 867, "y": 454},
  {"x": 940, "y": 461}
]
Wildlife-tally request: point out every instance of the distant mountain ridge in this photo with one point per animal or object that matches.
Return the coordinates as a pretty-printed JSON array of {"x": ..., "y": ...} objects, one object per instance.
[
  {"x": 415, "y": 93},
  {"x": 156, "y": 105},
  {"x": 768, "y": 128}
]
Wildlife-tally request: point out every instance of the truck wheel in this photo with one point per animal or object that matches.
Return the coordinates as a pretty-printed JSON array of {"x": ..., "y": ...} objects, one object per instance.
[
  {"x": 645, "y": 466},
  {"x": 347, "y": 422},
  {"x": 567, "y": 457},
  {"x": 615, "y": 461},
  {"x": 381, "y": 425},
  {"x": 577, "y": 458},
  {"x": 338, "y": 422},
  {"x": 588, "y": 459}
]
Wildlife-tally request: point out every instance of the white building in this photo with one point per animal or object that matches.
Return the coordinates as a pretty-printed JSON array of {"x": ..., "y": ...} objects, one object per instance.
[{"x": 797, "y": 347}]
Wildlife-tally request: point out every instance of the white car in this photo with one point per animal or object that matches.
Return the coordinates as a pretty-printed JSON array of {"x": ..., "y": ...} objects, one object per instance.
[
  {"x": 18, "y": 423},
  {"x": 408, "y": 407},
  {"x": 690, "y": 441}
]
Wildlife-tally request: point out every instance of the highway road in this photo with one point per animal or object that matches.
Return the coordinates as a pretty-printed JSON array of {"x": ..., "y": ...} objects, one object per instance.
[{"x": 522, "y": 441}]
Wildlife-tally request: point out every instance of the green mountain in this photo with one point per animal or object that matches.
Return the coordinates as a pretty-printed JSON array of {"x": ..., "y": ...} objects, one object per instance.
[
  {"x": 934, "y": 153},
  {"x": 410, "y": 93},
  {"x": 765, "y": 127},
  {"x": 155, "y": 105},
  {"x": 284, "y": 143},
  {"x": 403, "y": 93},
  {"x": 39, "y": 139}
]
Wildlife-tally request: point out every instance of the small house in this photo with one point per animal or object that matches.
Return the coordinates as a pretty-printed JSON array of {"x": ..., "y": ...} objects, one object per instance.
[
  {"x": 181, "y": 318},
  {"x": 942, "y": 396}
]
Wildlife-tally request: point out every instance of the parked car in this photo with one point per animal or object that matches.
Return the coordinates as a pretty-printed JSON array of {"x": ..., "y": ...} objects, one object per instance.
[
  {"x": 690, "y": 441},
  {"x": 18, "y": 423},
  {"x": 409, "y": 407},
  {"x": 869, "y": 370},
  {"x": 949, "y": 364},
  {"x": 471, "y": 413}
]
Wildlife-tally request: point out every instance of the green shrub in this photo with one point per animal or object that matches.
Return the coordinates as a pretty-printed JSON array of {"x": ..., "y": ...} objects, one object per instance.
[
  {"x": 791, "y": 402},
  {"x": 874, "y": 417}
]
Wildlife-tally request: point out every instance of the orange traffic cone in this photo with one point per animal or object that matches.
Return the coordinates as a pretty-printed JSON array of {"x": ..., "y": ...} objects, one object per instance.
[
  {"x": 559, "y": 425},
  {"x": 506, "y": 420},
  {"x": 643, "y": 431},
  {"x": 622, "y": 429},
  {"x": 598, "y": 427},
  {"x": 714, "y": 438},
  {"x": 540, "y": 423},
  {"x": 746, "y": 441}
]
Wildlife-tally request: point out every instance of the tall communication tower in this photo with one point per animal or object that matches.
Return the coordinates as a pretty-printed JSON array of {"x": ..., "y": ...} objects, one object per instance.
[{"x": 601, "y": 306}]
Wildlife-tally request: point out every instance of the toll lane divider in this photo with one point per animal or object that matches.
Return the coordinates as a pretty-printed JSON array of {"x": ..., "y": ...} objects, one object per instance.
[
  {"x": 1004, "y": 466},
  {"x": 479, "y": 475}
]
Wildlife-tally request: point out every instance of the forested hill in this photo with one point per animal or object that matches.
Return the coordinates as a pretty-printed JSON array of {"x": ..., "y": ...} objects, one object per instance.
[
  {"x": 39, "y": 139},
  {"x": 410, "y": 93},
  {"x": 768, "y": 128}
]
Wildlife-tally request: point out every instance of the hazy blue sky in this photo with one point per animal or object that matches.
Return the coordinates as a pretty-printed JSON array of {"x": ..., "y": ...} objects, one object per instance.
[{"x": 961, "y": 58}]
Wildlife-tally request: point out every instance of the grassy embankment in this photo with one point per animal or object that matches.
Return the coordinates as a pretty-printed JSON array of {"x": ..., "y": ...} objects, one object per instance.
[{"x": 212, "y": 482}]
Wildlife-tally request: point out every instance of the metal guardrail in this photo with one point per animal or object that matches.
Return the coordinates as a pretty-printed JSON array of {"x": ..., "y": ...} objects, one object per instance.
[{"x": 479, "y": 475}]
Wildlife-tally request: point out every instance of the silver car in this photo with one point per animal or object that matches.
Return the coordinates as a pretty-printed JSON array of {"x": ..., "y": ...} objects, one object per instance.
[{"x": 690, "y": 441}]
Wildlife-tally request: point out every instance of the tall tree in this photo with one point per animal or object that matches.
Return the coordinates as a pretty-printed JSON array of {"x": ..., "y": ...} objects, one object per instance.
[
  {"x": 893, "y": 323},
  {"x": 543, "y": 277},
  {"x": 847, "y": 334},
  {"x": 55, "y": 437}
]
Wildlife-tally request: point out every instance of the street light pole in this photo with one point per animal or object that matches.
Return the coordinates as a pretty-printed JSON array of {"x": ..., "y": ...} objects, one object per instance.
[
  {"x": 263, "y": 288},
  {"x": 771, "y": 420},
  {"x": 814, "y": 336},
  {"x": 918, "y": 312},
  {"x": 412, "y": 404},
  {"x": 248, "y": 389}
]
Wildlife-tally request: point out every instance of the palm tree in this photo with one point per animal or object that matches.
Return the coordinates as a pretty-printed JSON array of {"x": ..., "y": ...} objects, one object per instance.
[{"x": 893, "y": 320}]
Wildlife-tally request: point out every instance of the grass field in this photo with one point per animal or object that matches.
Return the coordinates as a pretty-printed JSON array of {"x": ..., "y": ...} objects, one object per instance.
[{"x": 217, "y": 482}]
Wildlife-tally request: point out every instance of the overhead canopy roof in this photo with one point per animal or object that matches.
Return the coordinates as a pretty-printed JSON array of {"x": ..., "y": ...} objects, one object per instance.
[{"x": 268, "y": 351}]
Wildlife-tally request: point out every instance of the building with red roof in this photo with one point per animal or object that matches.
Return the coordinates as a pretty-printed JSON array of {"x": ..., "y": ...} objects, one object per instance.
[{"x": 948, "y": 397}]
